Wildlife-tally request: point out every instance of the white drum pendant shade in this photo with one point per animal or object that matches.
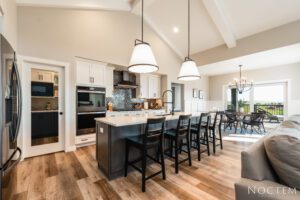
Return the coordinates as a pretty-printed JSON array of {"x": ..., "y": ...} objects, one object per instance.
[
  {"x": 188, "y": 71},
  {"x": 142, "y": 59}
]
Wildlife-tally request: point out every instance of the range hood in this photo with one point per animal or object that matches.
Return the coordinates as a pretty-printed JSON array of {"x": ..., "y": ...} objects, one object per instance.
[{"x": 125, "y": 83}]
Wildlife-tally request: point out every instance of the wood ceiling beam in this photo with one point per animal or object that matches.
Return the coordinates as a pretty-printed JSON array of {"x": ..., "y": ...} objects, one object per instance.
[{"x": 216, "y": 11}]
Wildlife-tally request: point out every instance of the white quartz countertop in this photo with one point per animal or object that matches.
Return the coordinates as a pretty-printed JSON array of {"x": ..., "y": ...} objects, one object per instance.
[{"x": 135, "y": 120}]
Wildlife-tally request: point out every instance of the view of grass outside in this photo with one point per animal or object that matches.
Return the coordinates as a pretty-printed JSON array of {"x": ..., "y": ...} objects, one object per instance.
[{"x": 268, "y": 98}]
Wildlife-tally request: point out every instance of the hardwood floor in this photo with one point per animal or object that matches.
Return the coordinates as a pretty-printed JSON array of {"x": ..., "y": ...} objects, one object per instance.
[{"x": 75, "y": 175}]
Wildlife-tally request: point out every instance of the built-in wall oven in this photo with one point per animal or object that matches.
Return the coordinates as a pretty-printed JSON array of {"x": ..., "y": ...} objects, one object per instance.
[{"x": 90, "y": 105}]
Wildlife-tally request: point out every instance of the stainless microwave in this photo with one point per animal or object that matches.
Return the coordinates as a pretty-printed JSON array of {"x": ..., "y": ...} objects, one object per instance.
[{"x": 42, "y": 89}]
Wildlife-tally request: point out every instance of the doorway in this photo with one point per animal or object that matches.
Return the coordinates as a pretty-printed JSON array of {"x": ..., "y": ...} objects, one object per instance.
[
  {"x": 178, "y": 97},
  {"x": 44, "y": 116},
  {"x": 268, "y": 97}
]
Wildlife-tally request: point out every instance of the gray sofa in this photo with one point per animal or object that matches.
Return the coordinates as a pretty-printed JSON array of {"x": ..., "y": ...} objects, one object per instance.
[{"x": 259, "y": 181}]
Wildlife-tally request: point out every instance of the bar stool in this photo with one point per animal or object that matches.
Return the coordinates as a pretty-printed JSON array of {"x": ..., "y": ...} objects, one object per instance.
[
  {"x": 212, "y": 129},
  {"x": 199, "y": 137},
  {"x": 182, "y": 132},
  {"x": 151, "y": 139}
]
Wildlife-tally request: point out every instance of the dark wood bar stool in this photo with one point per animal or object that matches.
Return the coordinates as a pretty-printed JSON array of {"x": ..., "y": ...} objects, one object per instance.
[
  {"x": 217, "y": 123},
  {"x": 151, "y": 139},
  {"x": 177, "y": 136},
  {"x": 199, "y": 134}
]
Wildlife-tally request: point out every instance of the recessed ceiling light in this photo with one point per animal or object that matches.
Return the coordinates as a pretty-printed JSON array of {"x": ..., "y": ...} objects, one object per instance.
[{"x": 175, "y": 29}]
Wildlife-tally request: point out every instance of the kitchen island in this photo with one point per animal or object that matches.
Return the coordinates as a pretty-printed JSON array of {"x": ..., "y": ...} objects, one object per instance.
[{"x": 111, "y": 135}]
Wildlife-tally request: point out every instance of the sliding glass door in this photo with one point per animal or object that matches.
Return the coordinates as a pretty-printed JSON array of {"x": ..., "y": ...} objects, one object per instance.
[{"x": 269, "y": 98}]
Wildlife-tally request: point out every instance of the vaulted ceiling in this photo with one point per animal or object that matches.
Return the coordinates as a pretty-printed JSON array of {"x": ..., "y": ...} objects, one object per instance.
[{"x": 213, "y": 22}]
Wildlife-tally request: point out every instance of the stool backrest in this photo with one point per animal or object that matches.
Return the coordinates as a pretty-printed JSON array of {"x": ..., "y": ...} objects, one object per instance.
[
  {"x": 218, "y": 118},
  {"x": 204, "y": 120},
  {"x": 154, "y": 130},
  {"x": 183, "y": 125}
]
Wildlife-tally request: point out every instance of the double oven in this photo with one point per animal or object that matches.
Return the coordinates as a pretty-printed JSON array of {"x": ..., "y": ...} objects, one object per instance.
[{"x": 90, "y": 105}]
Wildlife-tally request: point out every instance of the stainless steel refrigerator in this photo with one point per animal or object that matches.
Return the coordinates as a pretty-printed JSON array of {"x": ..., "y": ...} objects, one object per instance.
[{"x": 10, "y": 110}]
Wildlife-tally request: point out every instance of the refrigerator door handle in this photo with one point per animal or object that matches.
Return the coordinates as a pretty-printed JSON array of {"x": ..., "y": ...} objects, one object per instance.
[
  {"x": 19, "y": 103},
  {"x": 9, "y": 164}
]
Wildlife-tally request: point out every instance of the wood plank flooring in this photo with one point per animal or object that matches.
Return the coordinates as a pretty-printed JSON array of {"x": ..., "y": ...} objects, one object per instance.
[{"x": 75, "y": 175}]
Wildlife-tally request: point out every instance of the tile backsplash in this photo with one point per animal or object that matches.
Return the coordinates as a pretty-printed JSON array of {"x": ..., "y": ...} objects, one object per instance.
[
  {"x": 40, "y": 103},
  {"x": 121, "y": 99}
]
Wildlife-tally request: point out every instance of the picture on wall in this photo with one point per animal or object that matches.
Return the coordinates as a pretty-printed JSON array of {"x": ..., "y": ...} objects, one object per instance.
[
  {"x": 195, "y": 93},
  {"x": 201, "y": 94}
]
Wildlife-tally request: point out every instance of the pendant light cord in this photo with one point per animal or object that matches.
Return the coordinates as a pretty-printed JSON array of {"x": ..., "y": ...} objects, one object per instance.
[
  {"x": 189, "y": 27},
  {"x": 240, "y": 73},
  {"x": 142, "y": 20}
]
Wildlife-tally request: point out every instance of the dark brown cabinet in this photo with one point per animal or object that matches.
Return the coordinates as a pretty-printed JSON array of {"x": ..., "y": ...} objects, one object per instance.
[{"x": 44, "y": 124}]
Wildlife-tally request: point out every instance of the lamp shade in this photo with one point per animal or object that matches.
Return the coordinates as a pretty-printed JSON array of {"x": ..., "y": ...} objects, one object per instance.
[
  {"x": 188, "y": 71},
  {"x": 142, "y": 59}
]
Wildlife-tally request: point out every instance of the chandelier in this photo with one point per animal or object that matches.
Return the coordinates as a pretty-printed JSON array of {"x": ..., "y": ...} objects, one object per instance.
[{"x": 241, "y": 84}]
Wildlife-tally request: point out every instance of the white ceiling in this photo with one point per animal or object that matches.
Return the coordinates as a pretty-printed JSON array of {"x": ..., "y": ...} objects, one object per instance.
[
  {"x": 275, "y": 57},
  {"x": 213, "y": 22},
  {"x": 249, "y": 17},
  {"x": 170, "y": 13}
]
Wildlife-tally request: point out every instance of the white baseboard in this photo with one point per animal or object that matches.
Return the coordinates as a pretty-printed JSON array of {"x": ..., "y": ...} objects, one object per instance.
[
  {"x": 85, "y": 144},
  {"x": 70, "y": 148}
]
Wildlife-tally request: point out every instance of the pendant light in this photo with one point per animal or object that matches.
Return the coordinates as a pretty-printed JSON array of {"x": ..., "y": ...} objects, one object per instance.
[
  {"x": 189, "y": 70},
  {"x": 142, "y": 58}
]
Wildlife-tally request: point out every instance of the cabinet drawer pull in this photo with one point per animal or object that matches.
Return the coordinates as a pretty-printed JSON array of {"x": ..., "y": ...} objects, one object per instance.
[{"x": 84, "y": 140}]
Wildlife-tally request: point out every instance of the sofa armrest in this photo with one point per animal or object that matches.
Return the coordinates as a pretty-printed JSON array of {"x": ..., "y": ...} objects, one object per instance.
[{"x": 246, "y": 189}]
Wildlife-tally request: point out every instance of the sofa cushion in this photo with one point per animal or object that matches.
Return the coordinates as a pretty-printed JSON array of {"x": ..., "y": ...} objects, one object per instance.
[
  {"x": 283, "y": 152},
  {"x": 255, "y": 163}
]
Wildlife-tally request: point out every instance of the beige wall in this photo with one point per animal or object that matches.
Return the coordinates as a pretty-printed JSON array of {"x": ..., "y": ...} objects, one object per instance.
[
  {"x": 61, "y": 34},
  {"x": 8, "y": 22},
  {"x": 286, "y": 72}
]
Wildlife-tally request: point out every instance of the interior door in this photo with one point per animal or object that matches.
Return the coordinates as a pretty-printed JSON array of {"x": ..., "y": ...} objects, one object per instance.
[{"x": 45, "y": 134}]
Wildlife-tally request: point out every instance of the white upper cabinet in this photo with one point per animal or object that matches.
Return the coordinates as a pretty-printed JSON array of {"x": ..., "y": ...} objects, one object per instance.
[
  {"x": 97, "y": 74},
  {"x": 109, "y": 81},
  {"x": 143, "y": 89},
  {"x": 83, "y": 73},
  {"x": 154, "y": 86},
  {"x": 149, "y": 86},
  {"x": 90, "y": 73},
  {"x": 41, "y": 76}
]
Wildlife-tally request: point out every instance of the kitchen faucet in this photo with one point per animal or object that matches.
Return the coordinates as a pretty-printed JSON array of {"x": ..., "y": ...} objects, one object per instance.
[{"x": 169, "y": 102}]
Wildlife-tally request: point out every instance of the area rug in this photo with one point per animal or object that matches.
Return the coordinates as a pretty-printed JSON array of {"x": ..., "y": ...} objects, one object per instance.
[{"x": 243, "y": 137}]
